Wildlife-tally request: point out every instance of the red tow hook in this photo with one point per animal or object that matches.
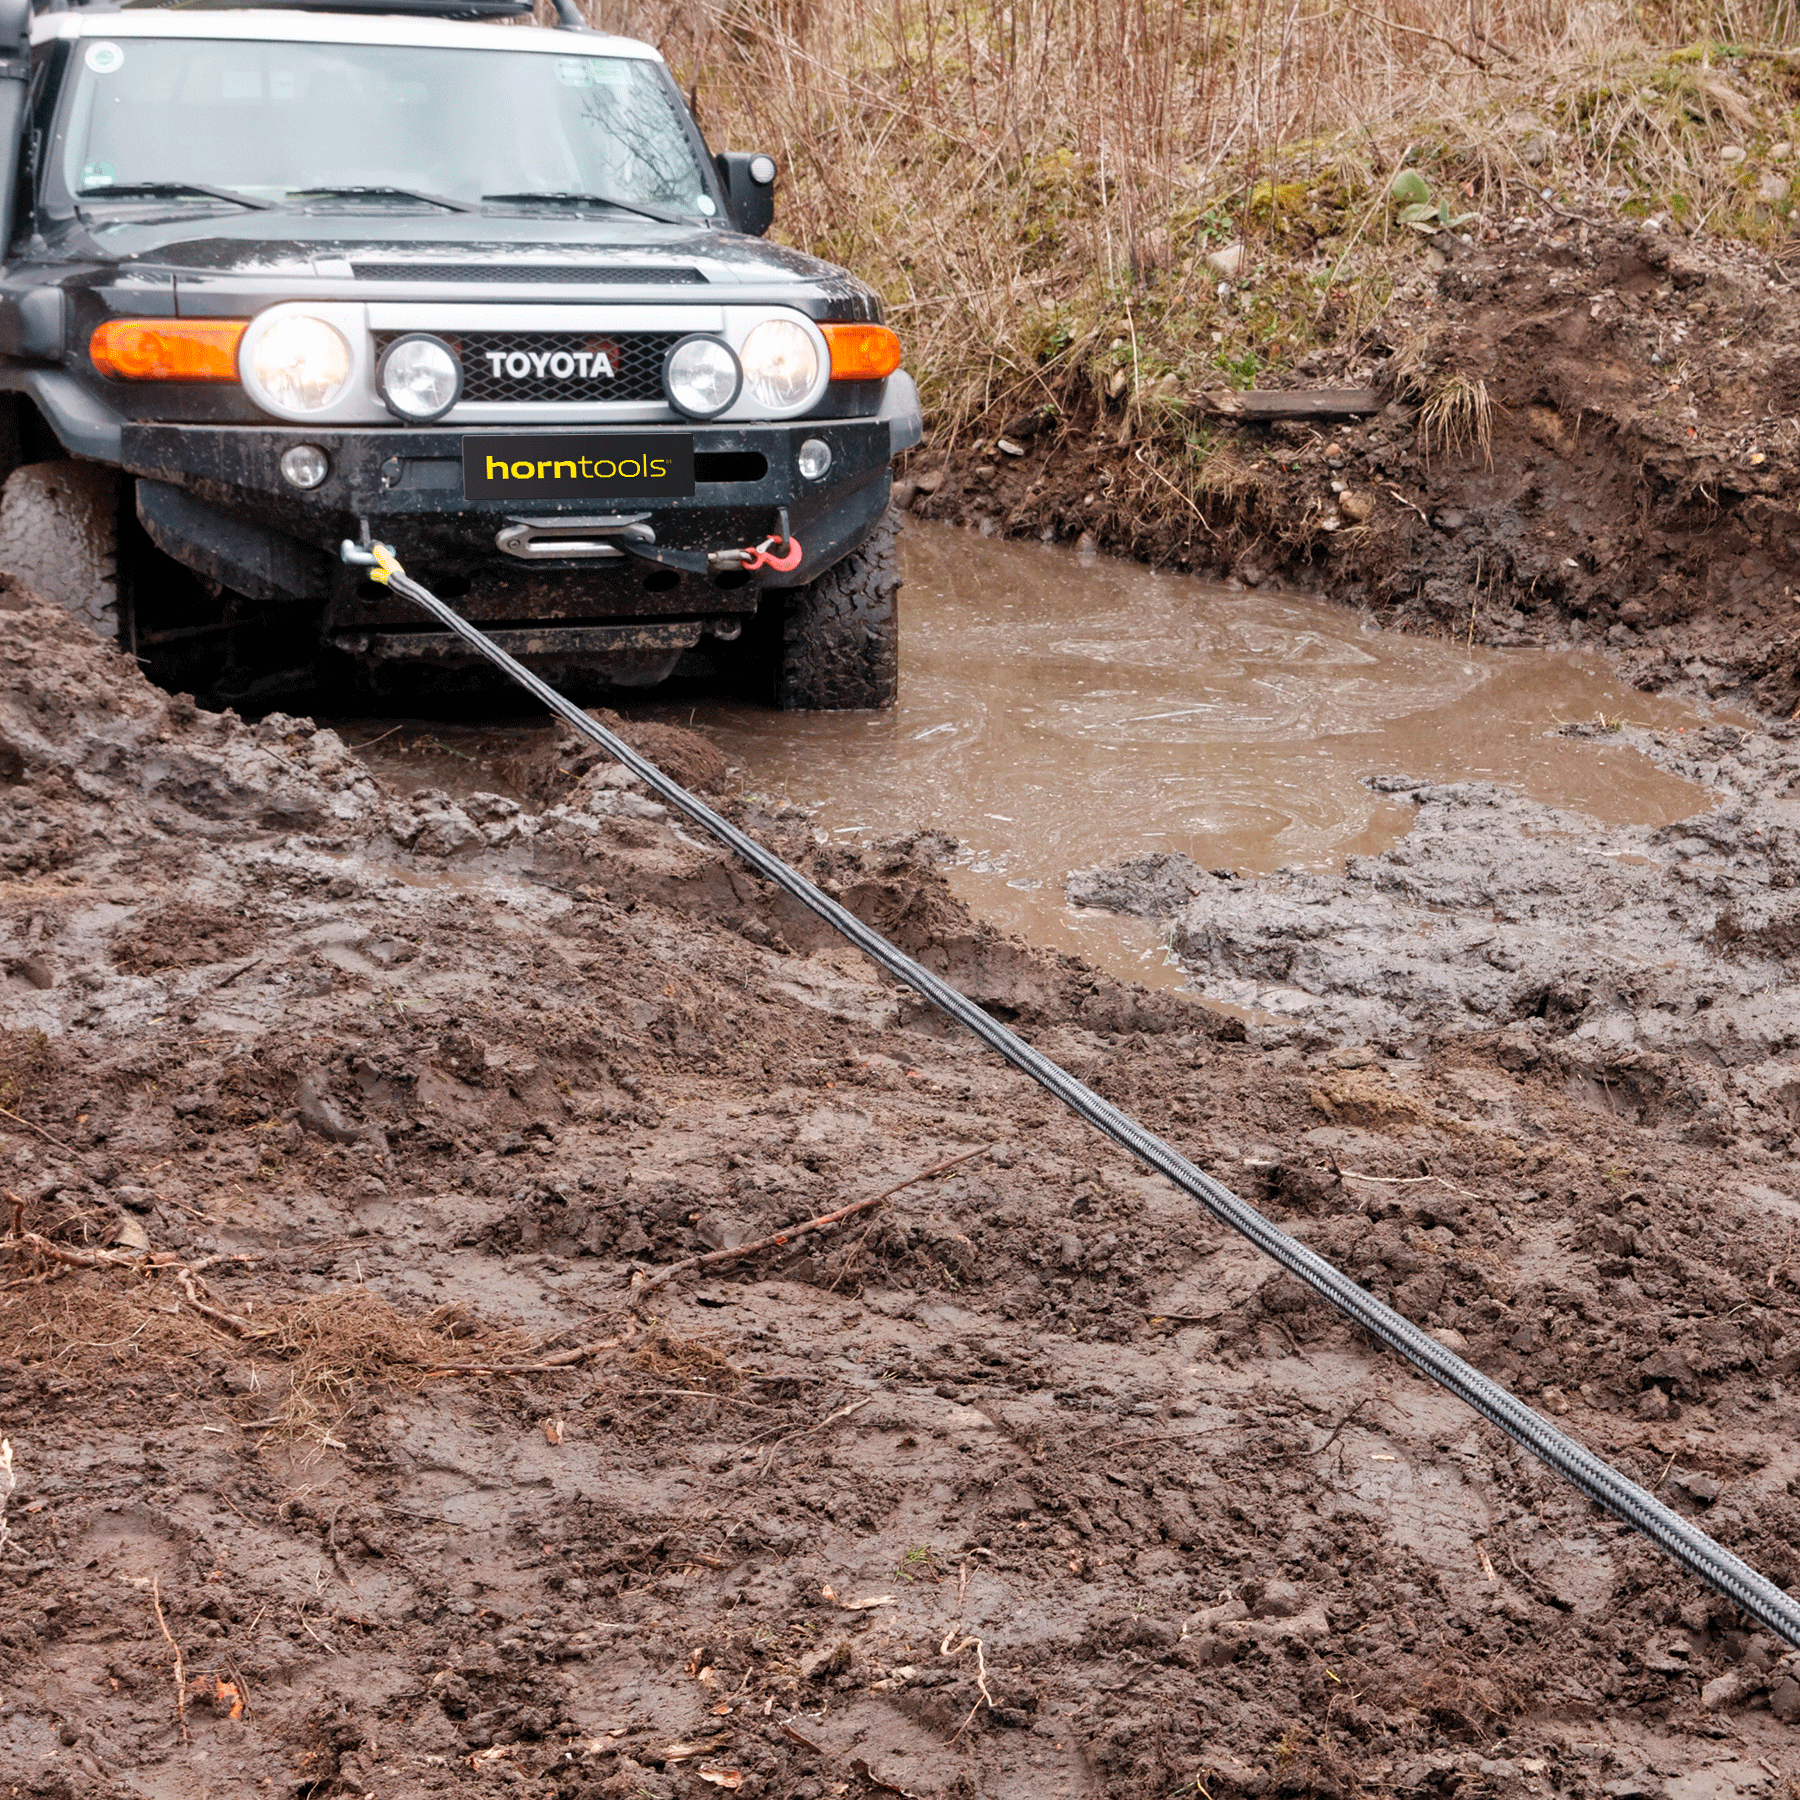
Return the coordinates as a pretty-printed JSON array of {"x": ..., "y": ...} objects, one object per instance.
[{"x": 759, "y": 558}]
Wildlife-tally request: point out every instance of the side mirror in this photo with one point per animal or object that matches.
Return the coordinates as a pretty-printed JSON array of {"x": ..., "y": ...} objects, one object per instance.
[{"x": 749, "y": 183}]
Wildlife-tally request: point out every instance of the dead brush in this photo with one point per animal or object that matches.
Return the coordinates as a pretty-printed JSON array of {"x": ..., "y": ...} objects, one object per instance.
[
  {"x": 28, "y": 1062},
  {"x": 314, "y": 1360},
  {"x": 1457, "y": 415},
  {"x": 1457, "y": 1701},
  {"x": 1031, "y": 186},
  {"x": 686, "y": 1363}
]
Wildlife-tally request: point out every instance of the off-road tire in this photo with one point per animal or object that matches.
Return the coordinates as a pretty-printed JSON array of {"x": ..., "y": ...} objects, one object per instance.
[
  {"x": 840, "y": 634},
  {"x": 59, "y": 536}
]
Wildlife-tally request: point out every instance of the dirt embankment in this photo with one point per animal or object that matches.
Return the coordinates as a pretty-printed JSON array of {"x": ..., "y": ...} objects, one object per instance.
[
  {"x": 321, "y": 1100},
  {"x": 1589, "y": 434}
]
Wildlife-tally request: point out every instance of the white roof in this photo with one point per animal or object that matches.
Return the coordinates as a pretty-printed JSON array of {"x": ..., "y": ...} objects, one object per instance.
[{"x": 267, "y": 25}]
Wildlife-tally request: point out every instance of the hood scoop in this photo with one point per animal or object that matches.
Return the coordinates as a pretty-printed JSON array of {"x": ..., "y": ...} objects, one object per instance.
[{"x": 517, "y": 273}]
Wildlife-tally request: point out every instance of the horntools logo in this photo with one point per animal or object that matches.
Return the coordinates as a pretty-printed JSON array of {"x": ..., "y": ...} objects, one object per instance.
[{"x": 510, "y": 468}]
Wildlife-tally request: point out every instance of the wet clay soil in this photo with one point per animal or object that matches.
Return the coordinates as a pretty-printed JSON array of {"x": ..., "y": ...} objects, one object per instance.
[
  {"x": 324, "y": 1101},
  {"x": 1061, "y": 711}
]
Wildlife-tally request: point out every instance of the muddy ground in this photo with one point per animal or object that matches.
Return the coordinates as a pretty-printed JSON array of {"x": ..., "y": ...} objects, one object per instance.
[
  {"x": 338, "y": 1120},
  {"x": 1588, "y": 434}
]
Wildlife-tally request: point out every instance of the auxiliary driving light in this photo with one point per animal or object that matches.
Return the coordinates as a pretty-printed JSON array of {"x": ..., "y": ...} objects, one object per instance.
[
  {"x": 781, "y": 363},
  {"x": 420, "y": 378},
  {"x": 814, "y": 459},
  {"x": 302, "y": 364},
  {"x": 304, "y": 466},
  {"x": 701, "y": 376}
]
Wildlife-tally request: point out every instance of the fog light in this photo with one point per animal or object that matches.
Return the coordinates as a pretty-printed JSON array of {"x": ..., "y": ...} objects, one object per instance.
[
  {"x": 420, "y": 378},
  {"x": 815, "y": 459},
  {"x": 701, "y": 376},
  {"x": 304, "y": 466}
]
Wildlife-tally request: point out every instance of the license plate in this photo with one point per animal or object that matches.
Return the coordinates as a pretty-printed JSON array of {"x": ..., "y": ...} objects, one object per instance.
[{"x": 588, "y": 466}]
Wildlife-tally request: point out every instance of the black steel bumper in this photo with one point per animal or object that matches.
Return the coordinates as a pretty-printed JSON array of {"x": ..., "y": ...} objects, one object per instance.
[{"x": 408, "y": 485}]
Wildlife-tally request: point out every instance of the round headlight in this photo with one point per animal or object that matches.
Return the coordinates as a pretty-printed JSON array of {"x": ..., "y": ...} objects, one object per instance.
[
  {"x": 301, "y": 363},
  {"x": 781, "y": 363},
  {"x": 420, "y": 377},
  {"x": 701, "y": 376}
]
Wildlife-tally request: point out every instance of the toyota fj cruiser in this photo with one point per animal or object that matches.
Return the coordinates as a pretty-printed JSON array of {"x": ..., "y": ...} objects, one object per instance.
[{"x": 278, "y": 276}]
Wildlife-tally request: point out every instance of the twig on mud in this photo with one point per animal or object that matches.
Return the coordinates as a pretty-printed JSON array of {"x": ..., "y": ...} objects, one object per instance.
[
  {"x": 949, "y": 1647},
  {"x": 230, "y": 1321},
  {"x": 180, "y": 1667},
  {"x": 382, "y": 739},
  {"x": 256, "y": 962},
  {"x": 1320, "y": 1449},
  {"x": 1406, "y": 1181},
  {"x": 48, "y": 1139},
  {"x": 843, "y": 1412},
  {"x": 563, "y": 1359},
  {"x": 1406, "y": 502},
  {"x": 146, "y": 1264},
  {"x": 645, "y": 1283}
]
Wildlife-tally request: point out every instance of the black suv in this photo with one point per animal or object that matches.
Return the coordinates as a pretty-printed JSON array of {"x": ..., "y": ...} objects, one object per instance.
[{"x": 280, "y": 277}]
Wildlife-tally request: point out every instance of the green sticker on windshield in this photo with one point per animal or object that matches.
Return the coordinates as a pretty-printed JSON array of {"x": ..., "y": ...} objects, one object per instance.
[
  {"x": 105, "y": 58},
  {"x": 593, "y": 71}
]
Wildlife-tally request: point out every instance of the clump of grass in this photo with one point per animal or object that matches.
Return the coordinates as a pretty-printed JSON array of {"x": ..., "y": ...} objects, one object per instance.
[
  {"x": 1457, "y": 414},
  {"x": 921, "y": 1563}
]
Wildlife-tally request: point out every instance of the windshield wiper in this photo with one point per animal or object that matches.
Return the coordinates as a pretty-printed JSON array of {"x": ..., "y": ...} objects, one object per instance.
[
  {"x": 168, "y": 190},
  {"x": 626, "y": 206},
  {"x": 378, "y": 193}
]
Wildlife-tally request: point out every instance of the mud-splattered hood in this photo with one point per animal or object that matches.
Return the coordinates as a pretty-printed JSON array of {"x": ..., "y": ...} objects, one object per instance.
[{"x": 337, "y": 244}]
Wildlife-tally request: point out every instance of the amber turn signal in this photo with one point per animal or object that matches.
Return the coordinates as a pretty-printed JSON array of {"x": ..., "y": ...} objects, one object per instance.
[
  {"x": 862, "y": 352},
  {"x": 167, "y": 349}
]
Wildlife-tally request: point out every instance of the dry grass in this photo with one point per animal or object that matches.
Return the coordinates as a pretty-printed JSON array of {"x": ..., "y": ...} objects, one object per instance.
[
  {"x": 314, "y": 1360},
  {"x": 1034, "y": 184},
  {"x": 1457, "y": 414}
]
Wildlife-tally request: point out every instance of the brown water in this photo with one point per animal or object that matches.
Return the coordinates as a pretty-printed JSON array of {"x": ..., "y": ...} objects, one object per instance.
[{"x": 1058, "y": 711}]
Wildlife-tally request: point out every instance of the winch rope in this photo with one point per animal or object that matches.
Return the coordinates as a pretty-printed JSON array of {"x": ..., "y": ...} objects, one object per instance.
[{"x": 1675, "y": 1536}]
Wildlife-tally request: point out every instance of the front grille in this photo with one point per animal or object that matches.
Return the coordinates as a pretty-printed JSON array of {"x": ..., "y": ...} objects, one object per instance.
[
  {"x": 635, "y": 359},
  {"x": 589, "y": 276}
]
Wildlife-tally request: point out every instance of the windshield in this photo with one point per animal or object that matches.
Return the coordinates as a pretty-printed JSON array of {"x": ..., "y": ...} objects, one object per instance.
[{"x": 280, "y": 121}]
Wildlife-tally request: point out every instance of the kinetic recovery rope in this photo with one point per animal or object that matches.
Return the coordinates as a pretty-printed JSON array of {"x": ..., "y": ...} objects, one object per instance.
[{"x": 1671, "y": 1533}]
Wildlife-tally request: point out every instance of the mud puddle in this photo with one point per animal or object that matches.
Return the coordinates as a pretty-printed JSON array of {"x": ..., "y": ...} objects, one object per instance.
[{"x": 1058, "y": 711}]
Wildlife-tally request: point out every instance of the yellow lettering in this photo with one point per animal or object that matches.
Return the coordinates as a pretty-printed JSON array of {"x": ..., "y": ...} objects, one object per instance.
[
  {"x": 521, "y": 471},
  {"x": 497, "y": 470},
  {"x": 541, "y": 468},
  {"x": 634, "y": 467},
  {"x": 557, "y": 470},
  {"x": 606, "y": 470},
  {"x": 658, "y": 468}
]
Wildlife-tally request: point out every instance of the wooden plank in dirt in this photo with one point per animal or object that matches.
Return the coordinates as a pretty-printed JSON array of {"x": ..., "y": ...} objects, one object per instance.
[{"x": 1295, "y": 403}]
